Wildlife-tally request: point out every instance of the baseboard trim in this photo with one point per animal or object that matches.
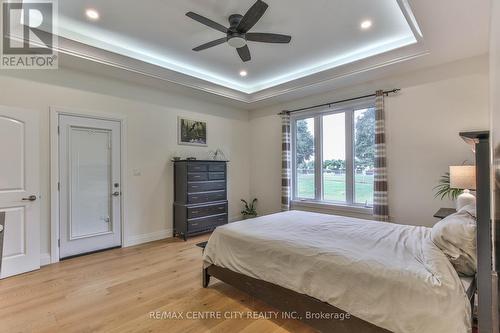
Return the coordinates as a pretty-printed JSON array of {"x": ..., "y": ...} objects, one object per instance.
[
  {"x": 45, "y": 259},
  {"x": 235, "y": 218},
  {"x": 150, "y": 237}
]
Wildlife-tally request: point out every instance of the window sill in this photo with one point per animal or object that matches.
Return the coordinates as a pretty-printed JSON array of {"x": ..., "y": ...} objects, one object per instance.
[{"x": 337, "y": 209}]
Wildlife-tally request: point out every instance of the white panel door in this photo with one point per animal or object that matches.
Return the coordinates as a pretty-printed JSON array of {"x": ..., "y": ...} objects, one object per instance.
[
  {"x": 90, "y": 202},
  {"x": 19, "y": 190}
]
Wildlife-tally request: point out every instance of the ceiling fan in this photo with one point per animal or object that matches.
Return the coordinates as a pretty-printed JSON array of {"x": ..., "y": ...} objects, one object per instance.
[{"x": 237, "y": 34}]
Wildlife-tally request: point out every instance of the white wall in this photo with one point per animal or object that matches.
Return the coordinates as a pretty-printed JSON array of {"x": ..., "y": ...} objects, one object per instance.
[
  {"x": 423, "y": 123},
  {"x": 152, "y": 140},
  {"x": 495, "y": 130}
]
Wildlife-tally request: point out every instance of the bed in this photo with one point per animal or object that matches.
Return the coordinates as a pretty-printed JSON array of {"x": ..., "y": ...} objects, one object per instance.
[
  {"x": 389, "y": 275},
  {"x": 366, "y": 276}
]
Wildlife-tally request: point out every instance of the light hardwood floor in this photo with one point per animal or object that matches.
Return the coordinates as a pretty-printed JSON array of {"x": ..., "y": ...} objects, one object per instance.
[{"x": 116, "y": 290}]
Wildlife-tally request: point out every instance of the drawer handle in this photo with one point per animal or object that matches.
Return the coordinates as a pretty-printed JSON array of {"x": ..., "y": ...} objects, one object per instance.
[
  {"x": 194, "y": 186},
  {"x": 194, "y": 212},
  {"x": 194, "y": 198},
  {"x": 221, "y": 208},
  {"x": 196, "y": 176}
]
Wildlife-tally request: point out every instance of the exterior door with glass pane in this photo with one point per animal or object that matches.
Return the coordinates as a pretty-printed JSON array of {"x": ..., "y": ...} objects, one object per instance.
[{"x": 90, "y": 202}]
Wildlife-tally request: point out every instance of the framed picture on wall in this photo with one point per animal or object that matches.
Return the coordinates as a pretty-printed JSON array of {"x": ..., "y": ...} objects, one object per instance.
[{"x": 192, "y": 132}]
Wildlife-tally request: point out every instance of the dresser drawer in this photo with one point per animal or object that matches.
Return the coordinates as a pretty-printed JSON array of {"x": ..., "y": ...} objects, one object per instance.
[
  {"x": 206, "y": 197},
  {"x": 196, "y": 212},
  {"x": 197, "y": 176},
  {"x": 208, "y": 186},
  {"x": 216, "y": 176},
  {"x": 206, "y": 224},
  {"x": 217, "y": 167},
  {"x": 197, "y": 167}
]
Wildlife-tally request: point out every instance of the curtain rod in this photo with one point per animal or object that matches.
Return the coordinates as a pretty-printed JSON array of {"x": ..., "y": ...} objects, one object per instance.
[{"x": 393, "y": 91}]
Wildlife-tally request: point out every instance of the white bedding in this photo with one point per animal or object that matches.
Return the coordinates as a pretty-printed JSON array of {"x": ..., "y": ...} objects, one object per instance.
[{"x": 390, "y": 275}]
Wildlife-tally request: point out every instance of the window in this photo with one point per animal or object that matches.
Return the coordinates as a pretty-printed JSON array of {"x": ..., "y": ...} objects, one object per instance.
[
  {"x": 304, "y": 154},
  {"x": 333, "y": 155}
]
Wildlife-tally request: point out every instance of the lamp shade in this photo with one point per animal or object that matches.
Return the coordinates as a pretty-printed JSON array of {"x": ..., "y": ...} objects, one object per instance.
[{"x": 463, "y": 177}]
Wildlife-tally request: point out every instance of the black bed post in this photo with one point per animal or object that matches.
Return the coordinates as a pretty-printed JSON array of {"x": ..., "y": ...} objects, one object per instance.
[
  {"x": 481, "y": 143},
  {"x": 205, "y": 277},
  {"x": 485, "y": 306}
]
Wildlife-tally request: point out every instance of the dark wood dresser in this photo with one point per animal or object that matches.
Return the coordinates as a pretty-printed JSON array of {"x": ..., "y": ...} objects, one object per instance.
[{"x": 200, "y": 197}]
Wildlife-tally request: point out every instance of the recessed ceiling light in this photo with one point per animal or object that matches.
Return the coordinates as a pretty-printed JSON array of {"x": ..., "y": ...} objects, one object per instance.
[
  {"x": 92, "y": 14},
  {"x": 243, "y": 73},
  {"x": 366, "y": 24}
]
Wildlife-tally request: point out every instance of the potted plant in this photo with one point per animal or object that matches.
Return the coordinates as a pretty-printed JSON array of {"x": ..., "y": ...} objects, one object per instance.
[
  {"x": 443, "y": 189},
  {"x": 250, "y": 210}
]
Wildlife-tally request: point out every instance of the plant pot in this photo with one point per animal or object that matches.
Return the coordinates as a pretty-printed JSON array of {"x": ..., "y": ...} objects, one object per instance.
[{"x": 246, "y": 217}]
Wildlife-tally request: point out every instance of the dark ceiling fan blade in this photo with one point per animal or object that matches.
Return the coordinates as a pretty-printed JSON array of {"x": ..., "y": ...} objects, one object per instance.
[
  {"x": 268, "y": 38},
  {"x": 244, "y": 53},
  {"x": 252, "y": 16},
  {"x": 207, "y": 22},
  {"x": 210, "y": 44}
]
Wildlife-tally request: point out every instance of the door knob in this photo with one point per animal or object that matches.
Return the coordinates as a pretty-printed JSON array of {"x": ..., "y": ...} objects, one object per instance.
[
  {"x": 30, "y": 198},
  {"x": 116, "y": 194}
]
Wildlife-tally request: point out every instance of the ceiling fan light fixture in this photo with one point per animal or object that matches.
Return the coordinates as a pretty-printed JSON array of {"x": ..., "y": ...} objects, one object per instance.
[
  {"x": 238, "y": 32},
  {"x": 237, "y": 42}
]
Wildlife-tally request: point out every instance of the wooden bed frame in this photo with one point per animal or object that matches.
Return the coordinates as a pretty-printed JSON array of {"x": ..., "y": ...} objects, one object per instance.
[{"x": 298, "y": 305}]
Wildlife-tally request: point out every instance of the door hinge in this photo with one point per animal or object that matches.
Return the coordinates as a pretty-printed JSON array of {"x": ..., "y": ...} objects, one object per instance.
[
  {"x": 59, "y": 243},
  {"x": 58, "y": 130},
  {"x": 58, "y": 186}
]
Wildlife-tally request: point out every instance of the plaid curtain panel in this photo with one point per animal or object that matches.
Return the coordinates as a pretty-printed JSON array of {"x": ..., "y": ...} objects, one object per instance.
[
  {"x": 380, "y": 202},
  {"x": 286, "y": 161}
]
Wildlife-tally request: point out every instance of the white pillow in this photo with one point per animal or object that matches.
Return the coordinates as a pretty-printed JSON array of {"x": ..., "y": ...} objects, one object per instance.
[
  {"x": 456, "y": 237},
  {"x": 471, "y": 209}
]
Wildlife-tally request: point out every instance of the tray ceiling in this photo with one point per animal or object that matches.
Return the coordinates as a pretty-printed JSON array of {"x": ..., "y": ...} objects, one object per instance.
[{"x": 326, "y": 34}]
